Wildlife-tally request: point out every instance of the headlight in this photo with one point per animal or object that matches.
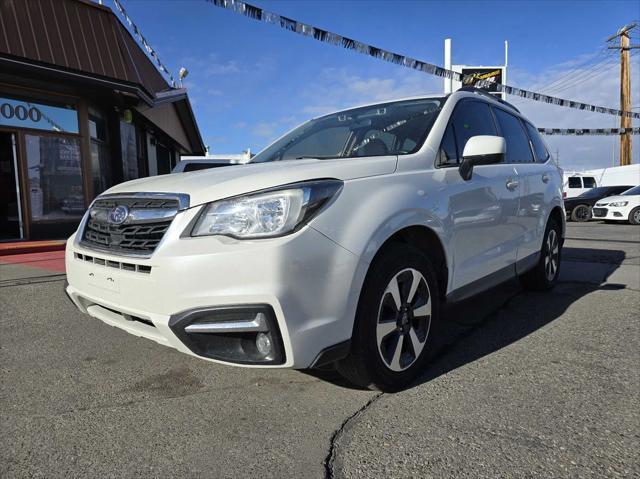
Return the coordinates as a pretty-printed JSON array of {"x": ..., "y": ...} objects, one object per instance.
[
  {"x": 619, "y": 203},
  {"x": 266, "y": 214}
]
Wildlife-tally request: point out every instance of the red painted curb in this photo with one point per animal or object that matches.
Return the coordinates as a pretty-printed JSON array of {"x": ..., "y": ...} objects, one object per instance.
[{"x": 22, "y": 247}]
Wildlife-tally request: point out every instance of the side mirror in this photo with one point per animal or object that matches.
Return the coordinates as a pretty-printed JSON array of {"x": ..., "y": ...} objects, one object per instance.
[{"x": 481, "y": 150}]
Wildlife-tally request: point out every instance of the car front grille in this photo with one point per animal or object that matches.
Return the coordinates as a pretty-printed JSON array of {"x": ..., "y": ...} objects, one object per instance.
[
  {"x": 599, "y": 212},
  {"x": 129, "y": 225}
]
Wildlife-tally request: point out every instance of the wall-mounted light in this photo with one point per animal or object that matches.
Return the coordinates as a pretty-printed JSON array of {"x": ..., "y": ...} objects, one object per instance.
[{"x": 182, "y": 74}]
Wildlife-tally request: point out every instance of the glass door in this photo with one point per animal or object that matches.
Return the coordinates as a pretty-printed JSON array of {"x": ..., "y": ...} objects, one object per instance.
[{"x": 10, "y": 208}]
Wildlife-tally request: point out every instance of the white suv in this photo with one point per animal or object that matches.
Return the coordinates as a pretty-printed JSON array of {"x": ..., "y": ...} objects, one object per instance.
[{"x": 336, "y": 245}]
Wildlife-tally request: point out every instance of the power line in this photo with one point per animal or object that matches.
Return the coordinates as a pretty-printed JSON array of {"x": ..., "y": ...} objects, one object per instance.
[
  {"x": 576, "y": 73},
  {"x": 583, "y": 78},
  {"x": 575, "y": 69},
  {"x": 318, "y": 34}
]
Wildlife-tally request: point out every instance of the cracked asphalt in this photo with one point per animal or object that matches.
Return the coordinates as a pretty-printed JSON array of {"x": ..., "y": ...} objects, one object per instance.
[{"x": 520, "y": 385}]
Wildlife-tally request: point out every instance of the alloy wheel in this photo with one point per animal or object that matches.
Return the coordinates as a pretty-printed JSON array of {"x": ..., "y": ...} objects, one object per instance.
[
  {"x": 583, "y": 213},
  {"x": 552, "y": 255},
  {"x": 404, "y": 319}
]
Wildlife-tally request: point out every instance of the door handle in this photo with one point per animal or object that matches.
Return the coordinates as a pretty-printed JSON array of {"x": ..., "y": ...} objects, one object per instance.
[
  {"x": 545, "y": 178},
  {"x": 512, "y": 184}
]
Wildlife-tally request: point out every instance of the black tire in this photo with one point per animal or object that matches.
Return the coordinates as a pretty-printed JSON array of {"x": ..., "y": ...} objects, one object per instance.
[
  {"x": 581, "y": 213},
  {"x": 371, "y": 360},
  {"x": 538, "y": 278},
  {"x": 634, "y": 216}
]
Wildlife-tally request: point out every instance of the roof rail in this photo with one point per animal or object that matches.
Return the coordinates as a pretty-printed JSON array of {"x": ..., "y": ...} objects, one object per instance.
[{"x": 480, "y": 91}]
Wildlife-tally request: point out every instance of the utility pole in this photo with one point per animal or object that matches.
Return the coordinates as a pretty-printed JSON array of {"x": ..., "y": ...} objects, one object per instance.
[{"x": 625, "y": 89}]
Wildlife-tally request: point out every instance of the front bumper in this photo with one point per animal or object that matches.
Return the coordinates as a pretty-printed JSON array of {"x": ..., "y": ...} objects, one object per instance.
[
  {"x": 310, "y": 282},
  {"x": 620, "y": 213}
]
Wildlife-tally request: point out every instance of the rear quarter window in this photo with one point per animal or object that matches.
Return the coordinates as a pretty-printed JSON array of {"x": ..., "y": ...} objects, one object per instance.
[{"x": 540, "y": 149}]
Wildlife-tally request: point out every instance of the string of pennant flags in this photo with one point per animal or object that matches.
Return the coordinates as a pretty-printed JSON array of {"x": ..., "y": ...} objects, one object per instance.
[
  {"x": 152, "y": 53},
  {"x": 325, "y": 36},
  {"x": 589, "y": 131}
]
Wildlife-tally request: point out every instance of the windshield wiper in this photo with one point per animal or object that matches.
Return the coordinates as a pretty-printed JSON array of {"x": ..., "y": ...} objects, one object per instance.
[{"x": 312, "y": 157}]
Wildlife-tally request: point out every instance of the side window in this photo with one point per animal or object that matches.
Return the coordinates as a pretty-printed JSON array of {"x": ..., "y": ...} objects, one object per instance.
[
  {"x": 447, "y": 155},
  {"x": 518, "y": 149},
  {"x": 470, "y": 119},
  {"x": 408, "y": 145},
  {"x": 589, "y": 181},
  {"x": 539, "y": 147},
  {"x": 574, "y": 182}
]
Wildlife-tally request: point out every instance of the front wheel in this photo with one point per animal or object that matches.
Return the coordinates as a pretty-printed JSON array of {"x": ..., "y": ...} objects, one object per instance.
[
  {"x": 581, "y": 213},
  {"x": 544, "y": 275},
  {"x": 634, "y": 216},
  {"x": 398, "y": 306}
]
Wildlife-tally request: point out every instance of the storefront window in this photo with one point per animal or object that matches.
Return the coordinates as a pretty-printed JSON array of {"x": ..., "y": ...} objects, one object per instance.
[
  {"x": 28, "y": 114},
  {"x": 100, "y": 157},
  {"x": 55, "y": 178},
  {"x": 129, "y": 151}
]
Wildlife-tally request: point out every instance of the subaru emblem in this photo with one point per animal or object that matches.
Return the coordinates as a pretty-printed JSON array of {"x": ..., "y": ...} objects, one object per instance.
[{"x": 118, "y": 215}]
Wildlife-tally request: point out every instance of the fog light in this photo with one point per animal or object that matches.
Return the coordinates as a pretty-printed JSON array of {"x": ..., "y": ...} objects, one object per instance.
[
  {"x": 263, "y": 343},
  {"x": 242, "y": 334}
]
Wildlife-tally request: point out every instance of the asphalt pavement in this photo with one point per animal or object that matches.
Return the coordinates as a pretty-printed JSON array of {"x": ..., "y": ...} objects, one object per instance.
[{"x": 520, "y": 385}]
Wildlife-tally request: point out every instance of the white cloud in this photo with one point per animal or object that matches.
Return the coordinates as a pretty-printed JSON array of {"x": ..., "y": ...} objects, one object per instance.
[
  {"x": 225, "y": 68},
  {"x": 265, "y": 129},
  {"x": 338, "y": 88}
]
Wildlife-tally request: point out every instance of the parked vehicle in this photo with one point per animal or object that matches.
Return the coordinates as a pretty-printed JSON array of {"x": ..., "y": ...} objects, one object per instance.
[
  {"x": 196, "y": 163},
  {"x": 616, "y": 175},
  {"x": 624, "y": 207},
  {"x": 336, "y": 246},
  {"x": 185, "y": 166},
  {"x": 576, "y": 184},
  {"x": 579, "y": 208}
]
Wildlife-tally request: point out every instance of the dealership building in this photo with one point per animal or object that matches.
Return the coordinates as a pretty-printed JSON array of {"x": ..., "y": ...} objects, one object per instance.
[{"x": 82, "y": 108}]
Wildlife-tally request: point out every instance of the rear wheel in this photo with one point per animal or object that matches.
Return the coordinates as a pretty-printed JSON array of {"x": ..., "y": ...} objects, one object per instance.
[
  {"x": 544, "y": 275},
  {"x": 581, "y": 213},
  {"x": 634, "y": 216},
  {"x": 398, "y": 306}
]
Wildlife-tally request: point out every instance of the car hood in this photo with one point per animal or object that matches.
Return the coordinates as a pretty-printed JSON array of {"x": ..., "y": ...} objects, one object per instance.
[{"x": 210, "y": 185}]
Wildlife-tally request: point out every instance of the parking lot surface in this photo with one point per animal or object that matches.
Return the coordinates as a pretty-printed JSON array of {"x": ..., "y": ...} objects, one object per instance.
[{"x": 520, "y": 385}]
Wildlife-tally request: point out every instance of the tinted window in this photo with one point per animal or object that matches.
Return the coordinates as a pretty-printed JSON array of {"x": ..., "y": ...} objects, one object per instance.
[
  {"x": 589, "y": 181},
  {"x": 575, "y": 182},
  {"x": 602, "y": 191},
  {"x": 470, "y": 119},
  {"x": 616, "y": 190},
  {"x": 539, "y": 147},
  {"x": 447, "y": 154},
  {"x": 633, "y": 191},
  {"x": 518, "y": 149}
]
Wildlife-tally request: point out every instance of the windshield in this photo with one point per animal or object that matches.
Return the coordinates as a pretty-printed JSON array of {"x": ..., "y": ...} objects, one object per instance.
[
  {"x": 633, "y": 191},
  {"x": 397, "y": 128}
]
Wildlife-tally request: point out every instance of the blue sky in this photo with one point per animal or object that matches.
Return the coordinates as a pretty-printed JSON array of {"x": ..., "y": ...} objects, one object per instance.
[{"x": 250, "y": 82}]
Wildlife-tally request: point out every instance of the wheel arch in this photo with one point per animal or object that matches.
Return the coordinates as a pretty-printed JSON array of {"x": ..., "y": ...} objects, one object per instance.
[
  {"x": 429, "y": 242},
  {"x": 558, "y": 215}
]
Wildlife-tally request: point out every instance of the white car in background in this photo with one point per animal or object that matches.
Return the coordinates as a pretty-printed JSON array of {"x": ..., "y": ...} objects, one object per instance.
[
  {"x": 336, "y": 245},
  {"x": 623, "y": 207}
]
